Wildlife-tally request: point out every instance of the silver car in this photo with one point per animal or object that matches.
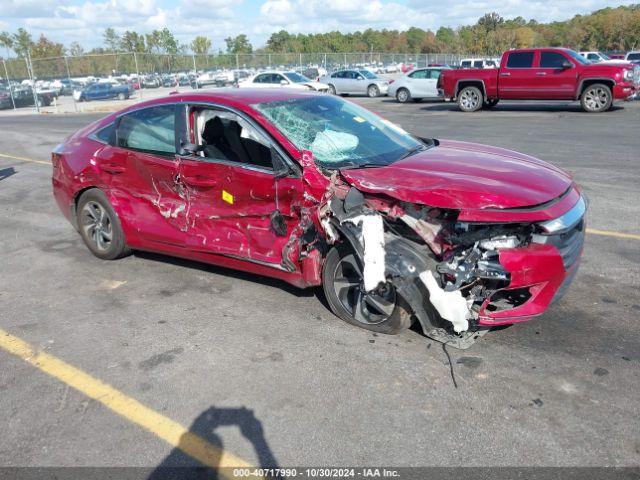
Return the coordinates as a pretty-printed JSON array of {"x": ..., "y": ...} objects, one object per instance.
[
  {"x": 355, "y": 82},
  {"x": 416, "y": 85}
]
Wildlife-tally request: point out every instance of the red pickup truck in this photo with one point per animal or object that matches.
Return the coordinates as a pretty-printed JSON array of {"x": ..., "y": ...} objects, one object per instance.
[{"x": 541, "y": 74}]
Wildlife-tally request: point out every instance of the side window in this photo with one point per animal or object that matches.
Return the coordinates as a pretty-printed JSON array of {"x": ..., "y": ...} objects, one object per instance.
[
  {"x": 150, "y": 130},
  {"x": 279, "y": 79},
  {"x": 227, "y": 137},
  {"x": 419, "y": 74},
  {"x": 434, "y": 74},
  {"x": 551, "y": 60},
  {"x": 478, "y": 64},
  {"x": 260, "y": 78},
  {"x": 465, "y": 63},
  {"x": 105, "y": 133},
  {"x": 520, "y": 60},
  {"x": 337, "y": 75}
]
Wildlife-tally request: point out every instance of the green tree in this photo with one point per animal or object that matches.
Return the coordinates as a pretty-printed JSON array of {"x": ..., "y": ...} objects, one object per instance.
[
  {"x": 45, "y": 48},
  {"x": 111, "y": 39},
  {"x": 22, "y": 42},
  {"x": 238, "y": 44},
  {"x": 6, "y": 41},
  {"x": 132, "y": 42},
  {"x": 200, "y": 45}
]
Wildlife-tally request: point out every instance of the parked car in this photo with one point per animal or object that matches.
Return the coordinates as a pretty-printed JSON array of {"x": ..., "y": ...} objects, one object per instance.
[
  {"x": 151, "y": 81},
  {"x": 416, "y": 85},
  {"x": 599, "y": 57},
  {"x": 104, "y": 91},
  {"x": 282, "y": 79},
  {"x": 391, "y": 68},
  {"x": 355, "y": 82},
  {"x": 315, "y": 190},
  {"x": 478, "y": 63},
  {"x": 633, "y": 57},
  {"x": 542, "y": 74},
  {"x": 23, "y": 97}
]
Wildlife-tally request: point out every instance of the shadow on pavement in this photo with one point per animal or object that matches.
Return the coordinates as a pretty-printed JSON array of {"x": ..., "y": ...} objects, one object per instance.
[
  {"x": 7, "y": 172},
  {"x": 178, "y": 465}
]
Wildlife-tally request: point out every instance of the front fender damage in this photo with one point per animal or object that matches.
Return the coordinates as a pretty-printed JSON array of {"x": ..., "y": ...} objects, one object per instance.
[{"x": 445, "y": 270}]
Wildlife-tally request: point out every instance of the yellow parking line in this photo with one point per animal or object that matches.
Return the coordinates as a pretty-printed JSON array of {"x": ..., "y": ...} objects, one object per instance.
[
  {"x": 607, "y": 233},
  {"x": 22, "y": 159},
  {"x": 168, "y": 430}
]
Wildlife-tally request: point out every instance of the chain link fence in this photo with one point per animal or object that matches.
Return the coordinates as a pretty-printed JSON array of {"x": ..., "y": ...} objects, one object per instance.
[{"x": 28, "y": 72}]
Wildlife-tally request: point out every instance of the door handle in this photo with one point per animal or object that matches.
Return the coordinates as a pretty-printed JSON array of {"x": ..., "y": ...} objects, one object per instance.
[
  {"x": 541, "y": 74},
  {"x": 505, "y": 74},
  {"x": 199, "y": 181},
  {"x": 113, "y": 168}
]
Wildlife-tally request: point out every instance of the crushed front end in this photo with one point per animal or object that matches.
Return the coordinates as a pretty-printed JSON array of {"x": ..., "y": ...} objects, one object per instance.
[{"x": 460, "y": 274}]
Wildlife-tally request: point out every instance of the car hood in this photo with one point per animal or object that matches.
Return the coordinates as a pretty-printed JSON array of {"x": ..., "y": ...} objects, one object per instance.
[{"x": 460, "y": 175}]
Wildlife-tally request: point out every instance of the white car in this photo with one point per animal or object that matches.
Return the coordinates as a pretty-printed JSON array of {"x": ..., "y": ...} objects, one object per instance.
[
  {"x": 478, "y": 63},
  {"x": 599, "y": 57},
  {"x": 632, "y": 57},
  {"x": 416, "y": 85},
  {"x": 393, "y": 68},
  {"x": 358, "y": 82},
  {"x": 282, "y": 79}
]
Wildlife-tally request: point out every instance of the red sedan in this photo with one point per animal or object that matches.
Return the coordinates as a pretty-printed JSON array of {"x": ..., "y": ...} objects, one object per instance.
[{"x": 315, "y": 190}]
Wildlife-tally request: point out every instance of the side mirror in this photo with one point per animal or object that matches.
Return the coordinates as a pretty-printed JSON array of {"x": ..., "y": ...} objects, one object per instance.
[
  {"x": 280, "y": 167},
  {"x": 567, "y": 64},
  {"x": 284, "y": 82},
  {"x": 360, "y": 77},
  {"x": 187, "y": 148}
]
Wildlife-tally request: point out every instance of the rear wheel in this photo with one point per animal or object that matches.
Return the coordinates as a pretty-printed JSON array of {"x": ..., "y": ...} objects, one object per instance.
[
  {"x": 99, "y": 226},
  {"x": 381, "y": 310},
  {"x": 332, "y": 89},
  {"x": 403, "y": 95},
  {"x": 122, "y": 96},
  {"x": 373, "y": 91},
  {"x": 470, "y": 99},
  {"x": 596, "y": 98}
]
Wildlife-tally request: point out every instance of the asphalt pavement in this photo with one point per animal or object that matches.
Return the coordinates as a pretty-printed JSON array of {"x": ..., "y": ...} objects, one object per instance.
[{"x": 264, "y": 371}]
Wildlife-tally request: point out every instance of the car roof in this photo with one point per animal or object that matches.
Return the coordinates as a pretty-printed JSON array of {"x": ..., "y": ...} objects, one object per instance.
[{"x": 231, "y": 96}]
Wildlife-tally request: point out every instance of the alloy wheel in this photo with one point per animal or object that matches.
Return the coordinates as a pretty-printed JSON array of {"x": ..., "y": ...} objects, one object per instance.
[
  {"x": 596, "y": 99},
  {"x": 403, "y": 96},
  {"x": 97, "y": 225},
  {"x": 469, "y": 99},
  {"x": 369, "y": 308}
]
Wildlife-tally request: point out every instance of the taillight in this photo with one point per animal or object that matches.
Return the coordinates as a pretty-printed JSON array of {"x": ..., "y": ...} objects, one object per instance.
[
  {"x": 55, "y": 159},
  {"x": 391, "y": 81}
]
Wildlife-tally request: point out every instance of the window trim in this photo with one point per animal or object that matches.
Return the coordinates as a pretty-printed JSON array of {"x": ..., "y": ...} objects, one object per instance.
[
  {"x": 533, "y": 60},
  {"x": 293, "y": 166},
  {"x": 176, "y": 123}
]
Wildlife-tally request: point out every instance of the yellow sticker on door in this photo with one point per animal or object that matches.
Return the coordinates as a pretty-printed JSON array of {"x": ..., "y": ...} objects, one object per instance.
[{"x": 227, "y": 197}]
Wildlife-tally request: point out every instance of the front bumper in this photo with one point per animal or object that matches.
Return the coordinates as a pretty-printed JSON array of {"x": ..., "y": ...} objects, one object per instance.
[
  {"x": 625, "y": 91},
  {"x": 540, "y": 273}
]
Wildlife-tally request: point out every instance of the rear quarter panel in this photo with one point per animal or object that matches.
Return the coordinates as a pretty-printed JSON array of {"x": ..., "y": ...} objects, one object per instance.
[{"x": 452, "y": 78}]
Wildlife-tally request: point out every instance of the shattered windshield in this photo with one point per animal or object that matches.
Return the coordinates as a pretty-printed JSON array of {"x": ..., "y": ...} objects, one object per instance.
[{"x": 339, "y": 133}]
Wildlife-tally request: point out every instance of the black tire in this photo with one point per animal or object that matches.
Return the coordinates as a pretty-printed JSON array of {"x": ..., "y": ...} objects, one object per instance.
[
  {"x": 395, "y": 314},
  {"x": 403, "y": 95},
  {"x": 416, "y": 100},
  {"x": 100, "y": 226},
  {"x": 596, "y": 98},
  {"x": 122, "y": 96},
  {"x": 491, "y": 103},
  {"x": 470, "y": 99},
  {"x": 373, "y": 91},
  {"x": 332, "y": 89}
]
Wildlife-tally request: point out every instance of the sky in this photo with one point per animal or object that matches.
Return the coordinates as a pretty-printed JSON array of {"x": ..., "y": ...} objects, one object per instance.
[{"x": 84, "y": 21}]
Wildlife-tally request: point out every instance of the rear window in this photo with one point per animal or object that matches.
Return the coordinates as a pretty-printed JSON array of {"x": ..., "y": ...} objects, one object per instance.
[
  {"x": 633, "y": 56},
  {"x": 150, "y": 130},
  {"x": 520, "y": 60},
  {"x": 105, "y": 133}
]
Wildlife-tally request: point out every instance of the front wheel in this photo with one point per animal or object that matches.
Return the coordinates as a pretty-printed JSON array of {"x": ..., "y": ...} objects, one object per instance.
[
  {"x": 470, "y": 99},
  {"x": 381, "y": 310},
  {"x": 100, "y": 227},
  {"x": 373, "y": 91},
  {"x": 122, "y": 96},
  {"x": 403, "y": 95},
  {"x": 596, "y": 98}
]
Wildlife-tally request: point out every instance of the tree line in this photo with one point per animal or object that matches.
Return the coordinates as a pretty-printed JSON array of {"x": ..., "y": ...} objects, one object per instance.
[{"x": 608, "y": 29}]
